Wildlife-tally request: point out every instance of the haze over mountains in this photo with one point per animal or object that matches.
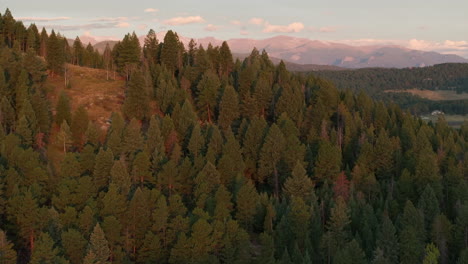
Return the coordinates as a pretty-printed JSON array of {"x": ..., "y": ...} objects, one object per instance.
[{"x": 303, "y": 51}]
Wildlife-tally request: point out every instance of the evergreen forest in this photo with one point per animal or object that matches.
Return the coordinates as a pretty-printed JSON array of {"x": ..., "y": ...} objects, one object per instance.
[{"x": 216, "y": 160}]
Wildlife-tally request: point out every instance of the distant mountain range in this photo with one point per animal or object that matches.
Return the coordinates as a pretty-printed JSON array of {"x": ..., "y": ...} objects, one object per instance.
[{"x": 304, "y": 54}]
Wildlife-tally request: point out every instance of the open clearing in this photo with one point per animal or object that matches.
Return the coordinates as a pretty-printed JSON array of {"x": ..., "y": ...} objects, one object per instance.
[
  {"x": 454, "y": 121},
  {"x": 439, "y": 95},
  {"x": 90, "y": 87}
]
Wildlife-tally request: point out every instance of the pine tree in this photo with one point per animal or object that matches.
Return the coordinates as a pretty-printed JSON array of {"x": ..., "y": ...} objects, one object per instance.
[
  {"x": 201, "y": 241},
  {"x": 224, "y": 205},
  {"x": 226, "y": 63},
  {"x": 24, "y": 131},
  {"x": 114, "y": 137},
  {"x": 55, "y": 56},
  {"x": 341, "y": 187},
  {"x": 267, "y": 253},
  {"x": 79, "y": 126},
  {"x": 228, "y": 107},
  {"x": 150, "y": 47},
  {"x": 299, "y": 218},
  {"x": 120, "y": 176},
  {"x": 252, "y": 143},
  {"x": 102, "y": 168},
  {"x": 171, "y": 56},
  {"x": 44, "y": 251},
  {"x": 98, "y": 245},
  {"x": 270, "y": 155},
  {"x": 387, "y": 240},
  {"x": 231, "y": 162},
  {"x": 299, "y": 184},
  {"x": 208, "y": 92},
  {"x": 327, "y": 165},
  {"x": 431, "y": 255},
  {"x": 141, "y": 169},
  {"x": 429, "y": 205},
  {"x": 77, "y": 51},
  {"x": 65, "y": 136},
  {"x": 337, "y": 235},
  {"x": 127, "y": 55},
  {"x": 196, "y": 142},
  {"x": 7, "y": 253},
  {"x": 63, "y": 111},
  {"x": 136, "y": 104},
  {"x": 132, "y": 139},
  {"x": 246, "y": 206},
  {"x": 74, "y": 245},
  {"x": 442, "y": 235},
  {"x": 8, "y": 116},
  {"x": 21, "y": 90},
  {"x": 350, "y": 254},
  {"x": 154, "y": 139}
]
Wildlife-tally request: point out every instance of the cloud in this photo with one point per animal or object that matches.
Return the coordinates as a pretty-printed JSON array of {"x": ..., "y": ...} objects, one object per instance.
[
  {"x": 235, "y": 23},
  {"x": 122, "y": 25},
  {"x": 151, "y": 10},
  {"x": 110, "y": 19},
  {"x": 42, "y": 19},
  {"x": 327, "y": 29},
  {"x": 256, "y": 21},
  {"x": 89, "y": 26},
  {"x": 211, "y": 27},
  {"x": 244, "y": 33},
  {"x": 291, "y": 28},
  {"x": 176, "y": 21},
  {"x": 142, "y": 26}
]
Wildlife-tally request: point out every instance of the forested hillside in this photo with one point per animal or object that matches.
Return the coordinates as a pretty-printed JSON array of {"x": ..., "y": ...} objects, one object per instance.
[
  {"x": 242, "y": 162},
  {"x": 378, "y": 81}
]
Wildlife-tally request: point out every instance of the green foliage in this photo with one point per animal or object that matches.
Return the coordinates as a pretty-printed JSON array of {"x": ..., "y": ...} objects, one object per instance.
[
  {"x": 7, "y": 253},
  {"x": 55, "y": 56},
  {"x": 136, "y": 104},
  {"x": 241, "y": 162},
  {"x": 228, "y": 107}
]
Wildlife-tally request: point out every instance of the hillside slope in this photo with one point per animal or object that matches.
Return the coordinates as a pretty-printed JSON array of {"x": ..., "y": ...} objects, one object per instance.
[{"x": 90, "y": 87}]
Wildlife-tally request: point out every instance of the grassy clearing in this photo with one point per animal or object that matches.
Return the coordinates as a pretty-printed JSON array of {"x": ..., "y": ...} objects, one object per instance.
[
  {"x": 90, "y": 87},
  {"x": 454, "y": 121},
  {"x": 440, "y": 95}
]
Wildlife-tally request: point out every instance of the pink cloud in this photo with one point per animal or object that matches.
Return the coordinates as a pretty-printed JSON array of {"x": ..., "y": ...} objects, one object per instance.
[
  {"x": 42, "y": 19},
  {"x": 142, "y": 26},
  {"x": 235, "y": 22},
  {"x": 176, "y": 21},
  {"x": 110, "y": 19},
  {"x": 151, "y": 10},
  {"x": 123, "y": 25},
  {"x": 211, "y": 27},
  {"x": 291, "y": 28},
  {"x": 257, "y": 21}
]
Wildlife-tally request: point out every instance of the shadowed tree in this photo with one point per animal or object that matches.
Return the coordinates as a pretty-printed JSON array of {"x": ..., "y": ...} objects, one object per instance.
[
  {"x": 228, "y": 107},
  {"x": 270, "y": 155},
  {"x": 136, "y": 104}
]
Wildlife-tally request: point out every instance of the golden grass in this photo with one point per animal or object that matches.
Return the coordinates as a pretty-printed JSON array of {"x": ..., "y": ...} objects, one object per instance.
[
  {"x": 440, "y": 95},
  {"x": 90, "y": 88}
]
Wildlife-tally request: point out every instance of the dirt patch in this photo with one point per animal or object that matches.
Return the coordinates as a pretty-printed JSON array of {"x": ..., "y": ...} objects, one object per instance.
[
  {"x": 90, "y": 87},
  {"x": 440, "y": 95}
]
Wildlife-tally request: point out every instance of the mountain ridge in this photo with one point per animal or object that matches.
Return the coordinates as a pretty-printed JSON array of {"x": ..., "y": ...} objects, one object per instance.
[{"x": 304, "y": 51}]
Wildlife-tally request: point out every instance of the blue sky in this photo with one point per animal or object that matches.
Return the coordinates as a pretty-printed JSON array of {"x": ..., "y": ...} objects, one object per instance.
[{"x": 428, "y": 25}]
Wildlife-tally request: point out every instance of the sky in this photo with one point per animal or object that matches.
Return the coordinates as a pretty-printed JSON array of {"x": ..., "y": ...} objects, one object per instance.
[{"x": 429, "y": 25}]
